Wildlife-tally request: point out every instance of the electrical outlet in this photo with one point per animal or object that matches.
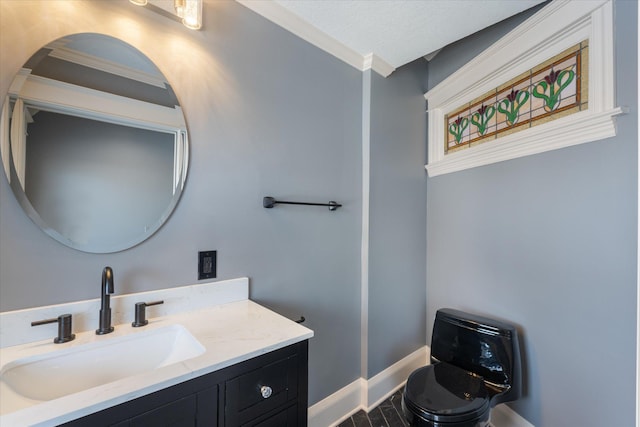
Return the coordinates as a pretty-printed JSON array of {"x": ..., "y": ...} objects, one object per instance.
[{"x": 206, "y": 265}]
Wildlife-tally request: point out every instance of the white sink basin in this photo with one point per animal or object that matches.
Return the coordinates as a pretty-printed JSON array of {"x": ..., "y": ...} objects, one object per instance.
[{"x": 57, "y": 374}]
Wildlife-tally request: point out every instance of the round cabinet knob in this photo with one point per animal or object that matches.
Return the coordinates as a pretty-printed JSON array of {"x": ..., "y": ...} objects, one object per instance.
[{"x": 266, "y": 391}]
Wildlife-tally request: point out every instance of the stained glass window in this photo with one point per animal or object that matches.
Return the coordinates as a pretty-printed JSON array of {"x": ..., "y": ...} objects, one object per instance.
[{"x": 553, "y": 89}]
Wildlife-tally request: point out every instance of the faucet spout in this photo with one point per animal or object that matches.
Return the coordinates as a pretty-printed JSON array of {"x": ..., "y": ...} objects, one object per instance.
[
  {"x": 107, "y": 285},
  {"x": 105, "y": 302}
]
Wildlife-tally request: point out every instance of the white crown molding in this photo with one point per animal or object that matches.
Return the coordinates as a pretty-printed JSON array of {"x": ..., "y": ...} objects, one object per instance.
[
  {"x": 377, "y": 64},
  {"x": 432, "y": 55},
  {"x": 107, "y": 66},
  {"x": 291, "y": 22},
  {"x": 556, "y": 27},
  {"x": 59, "y": 50},
  {"x": 57, "y": 96}
]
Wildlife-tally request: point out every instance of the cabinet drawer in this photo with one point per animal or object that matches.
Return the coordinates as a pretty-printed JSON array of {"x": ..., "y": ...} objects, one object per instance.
[
  {"x": 285, "y": 418},
  {"x": 257, "y": 392},
  {"x": 181, "y": 413}
]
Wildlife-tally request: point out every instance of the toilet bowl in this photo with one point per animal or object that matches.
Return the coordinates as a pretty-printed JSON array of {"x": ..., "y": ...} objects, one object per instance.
[{"x": 475, "y": 364}]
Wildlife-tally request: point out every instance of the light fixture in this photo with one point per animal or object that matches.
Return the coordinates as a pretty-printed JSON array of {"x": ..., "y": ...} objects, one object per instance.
[
  {"x": 189, "y": 11},
  {"x": 178, "y": 5},
  {"x": 192, "y": 13}
]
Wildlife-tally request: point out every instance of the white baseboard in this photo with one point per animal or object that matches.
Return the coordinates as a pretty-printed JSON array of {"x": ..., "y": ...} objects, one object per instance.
[
  {"x": 367, "y": 394},
  {"x": 337, "y": 407},
  {"x": 385, "y": 383},
  {"x": 503, "y": 416}
]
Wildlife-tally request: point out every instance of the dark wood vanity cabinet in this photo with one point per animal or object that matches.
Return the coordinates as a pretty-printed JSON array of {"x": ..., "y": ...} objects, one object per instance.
[{"x": 266, "y": 391}]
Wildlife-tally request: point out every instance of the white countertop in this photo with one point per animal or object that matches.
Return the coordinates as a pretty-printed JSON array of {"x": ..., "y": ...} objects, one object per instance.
[{"x": 231, "y": 332}]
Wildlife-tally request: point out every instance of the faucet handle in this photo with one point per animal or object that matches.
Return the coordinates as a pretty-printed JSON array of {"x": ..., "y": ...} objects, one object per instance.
[
  {"x": 140, "y": 313},
  {"x": 64, "y": 328}
]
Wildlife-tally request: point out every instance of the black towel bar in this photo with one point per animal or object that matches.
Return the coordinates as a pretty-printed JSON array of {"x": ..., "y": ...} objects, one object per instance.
[{"x": 269, "y": 202}]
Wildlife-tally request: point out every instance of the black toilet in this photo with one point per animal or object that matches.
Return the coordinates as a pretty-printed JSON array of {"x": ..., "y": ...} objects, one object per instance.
[{"x": 475, "y": 364}]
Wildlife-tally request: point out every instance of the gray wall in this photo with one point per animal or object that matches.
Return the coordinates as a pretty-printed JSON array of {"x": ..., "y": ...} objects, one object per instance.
[
  {"x": 549, "y": 242},
  {"x": 397, "y": 229},
  {"x": 100, "y": 185},
  {"x": 268, "y": 114}
]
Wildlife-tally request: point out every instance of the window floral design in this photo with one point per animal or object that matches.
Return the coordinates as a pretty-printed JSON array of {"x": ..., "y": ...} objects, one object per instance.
[
  {"x": 510, "y": 106},
  {"x": 552, "y": 86},
  {"x": 481, "y": 118},
  {"x": 553, "y": 89},
  {"x": 457, "y": 127}
]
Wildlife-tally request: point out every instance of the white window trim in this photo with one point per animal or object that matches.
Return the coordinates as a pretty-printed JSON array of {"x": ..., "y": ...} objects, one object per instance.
[{"x": 555, "y": 28}]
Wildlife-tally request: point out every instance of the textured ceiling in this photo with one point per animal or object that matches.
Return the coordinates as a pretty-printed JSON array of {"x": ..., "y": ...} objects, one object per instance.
[{"x": 400, "y": 31}]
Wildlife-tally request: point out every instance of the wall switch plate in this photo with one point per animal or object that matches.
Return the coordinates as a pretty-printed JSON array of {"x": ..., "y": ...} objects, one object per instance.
[{"x": 206, "y": 265}]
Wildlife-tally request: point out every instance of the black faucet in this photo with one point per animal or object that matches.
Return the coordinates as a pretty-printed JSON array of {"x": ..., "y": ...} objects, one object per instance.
[
  {"x": 141, "y": 316},
  {"x": 105, "y": 308},
  {"x": 64, "y": 328}
]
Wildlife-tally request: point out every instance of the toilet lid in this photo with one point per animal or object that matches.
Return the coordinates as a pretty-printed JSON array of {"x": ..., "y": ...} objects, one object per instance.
[{"x": 443, "y": 392}]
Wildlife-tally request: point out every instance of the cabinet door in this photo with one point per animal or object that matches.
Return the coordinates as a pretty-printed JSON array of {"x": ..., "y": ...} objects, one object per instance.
[
  {"x": 181, "y": 413},
  {"x": 208, "y": 407}
]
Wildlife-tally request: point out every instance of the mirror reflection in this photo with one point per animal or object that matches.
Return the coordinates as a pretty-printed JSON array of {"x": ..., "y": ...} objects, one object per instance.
[{"x": 94, "y": 143}]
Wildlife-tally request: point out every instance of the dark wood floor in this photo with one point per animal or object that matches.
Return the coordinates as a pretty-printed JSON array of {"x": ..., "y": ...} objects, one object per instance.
[{"x": 387, "y": 414}]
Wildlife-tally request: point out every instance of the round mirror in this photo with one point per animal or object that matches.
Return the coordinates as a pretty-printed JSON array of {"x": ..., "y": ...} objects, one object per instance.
[{"x": 94, "y": 143}]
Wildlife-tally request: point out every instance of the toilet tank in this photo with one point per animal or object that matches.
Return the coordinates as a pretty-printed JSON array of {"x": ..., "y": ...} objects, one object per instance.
[{"x": 484, "y": 346}]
